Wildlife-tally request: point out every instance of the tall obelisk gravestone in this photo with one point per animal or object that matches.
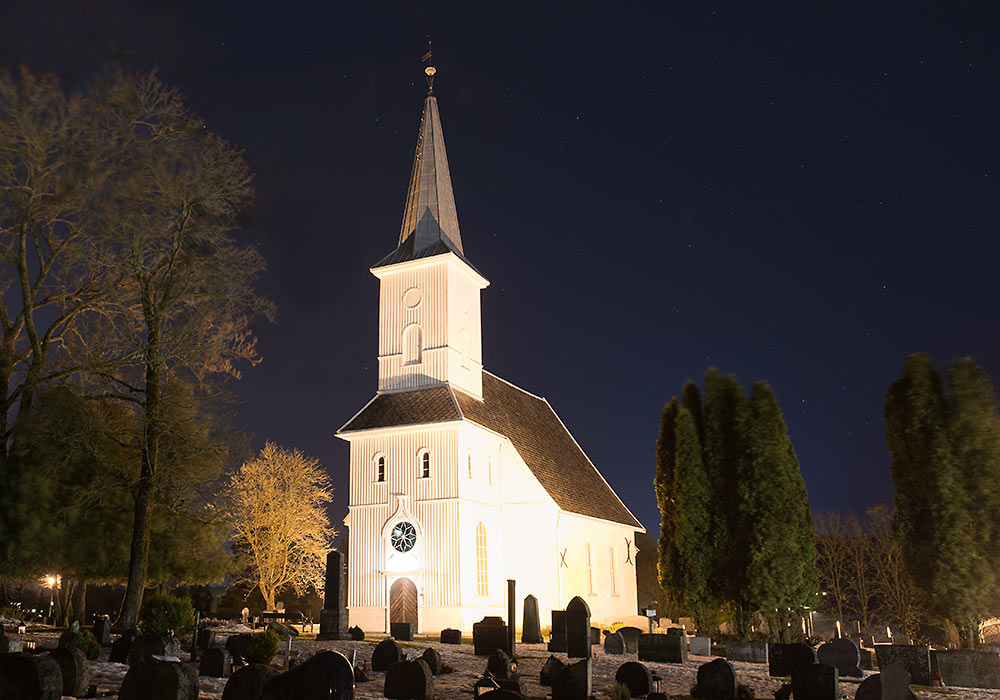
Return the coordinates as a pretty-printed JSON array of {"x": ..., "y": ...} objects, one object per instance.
[{"x": 333, "y": 616}]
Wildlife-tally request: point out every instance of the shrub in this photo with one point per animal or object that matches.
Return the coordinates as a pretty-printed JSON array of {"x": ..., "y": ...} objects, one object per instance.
[
  {"x": 262, "y": 647},
  {"x": 162, "y": 614},
  {"x": 619, "y": 691},
  {"x": 83, "y": 640}
]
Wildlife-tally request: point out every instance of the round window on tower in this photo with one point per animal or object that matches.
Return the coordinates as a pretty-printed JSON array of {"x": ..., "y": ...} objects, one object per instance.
[
  {"x": 412, "y": 298},
  {"x": 403, "y": 537}
]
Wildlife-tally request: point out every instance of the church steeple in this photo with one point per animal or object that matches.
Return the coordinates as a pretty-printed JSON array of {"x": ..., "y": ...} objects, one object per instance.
[{"x": 430, "y": 215}]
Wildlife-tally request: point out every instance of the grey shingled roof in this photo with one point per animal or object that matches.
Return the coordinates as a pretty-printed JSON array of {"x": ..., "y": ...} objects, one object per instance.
[{"x": 531, "y": 425}]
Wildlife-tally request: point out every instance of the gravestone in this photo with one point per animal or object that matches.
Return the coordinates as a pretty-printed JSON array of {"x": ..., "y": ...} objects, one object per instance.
[
  {"x": 501, "y": 694},
  {"x": 870, "y": 688},
  {"x": 896, "y": 681},
  {"x": 489, "y": 634},
  {"x": 248, "y": 682},
  {"x": 433, "y": 660},
  {"x": 102, "y": 631},
  {"x": 614, "y": 644},
  {"x": 356, "y": 634},
  {"x": 403, "y": 631},
  {"x": 572, "y": 681},
  {"x": 551, "y": 665},
  {"x": 578, "y": 629},
  {"x": 9, "y": 645},
  {"x": 385, "y": 654},
  {"x": 783, "y": 659},
  {"x": 753, "y": 652},
  {"x": 595, "y": 635},
  {"x": 75, "y": 670},
  {"x": 159, "y": 680},
  {"x": 700, "y": 646},
  {"x": 499, "y": 665},
  {"x": 668, "y": 648},
  {"x": 120, "y": 648},
  {"x": 716, "y": 680},
  {"x": 815, "y": 682},
  {"x": 146, "y": 646},
  {"x": 843, "y": 655},
  {"x": 636, "y": 676},
  {"x": 965, "y": 668},
  {"x": 205, "y": 639},
  {"x": 35, "y": 676},
  {"x": 914, "y": 658},
  {"x": 333, "y": 616},
  {"x": 328, "y": 674},
  {"x": 451, "y": 636},
  {"x": 215, "y": 663},
  {"x": 531, "y": 630},
  {"x": 237, "y": 645},
  {"x": 557, "y": 637},
  {"x": 282, "y": 630},
  {"x": 631, "y": 636},
  {"x": 409, "y": 680},
  {"x": 866, "y": 659}
]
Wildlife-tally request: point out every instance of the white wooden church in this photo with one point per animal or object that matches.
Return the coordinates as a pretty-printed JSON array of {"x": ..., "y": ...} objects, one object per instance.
[{"x": 459, "y": 479}]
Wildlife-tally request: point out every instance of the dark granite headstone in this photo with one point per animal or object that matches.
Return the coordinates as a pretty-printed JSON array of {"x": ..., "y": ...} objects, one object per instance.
[
  {"x": 409, "y": 680},
  {"x": 716, "y": 680},
  {"x": 248, "y": 682},
  {"x": 451, "y": 636},
  {"x": 915, "y": 659},
  {"x": 206, "y": 639},
  {"x": 965, "y": 668},
  {"x": 531, "y": 630},
  {"x": 35, "y": 676},
  {"x": 572, "y": 681},
  {"x": 866, "y": 659},
  {"x": 783, "y": 659},
  {"x": 102, "y": 631},
  {"x": 146, "y": 646},
  {"x": 896, "y": 682},
  {"x": 216, "y": 663},
  {"x": 631, "y": 636},
  {"x": 403, "y": 631},
  {"x": 578, "y": 629},
  {"x": 614, "y": 644},
  {"x": 333, "y": 616},
  {"x": 75, "y": 670},
  {"x": 557, "y": 637},
  {"x": 433, "y": 660},
  {"x": 636, "y": 676},
  {"x": 551, "y": 665},
  {"x": 870, "y": 688},
  {"x": 499, "y": 665},
  {"x": 669, "y": 648},
  {"x": 237, "y": 645},
  {"x": 843, "y": 655},
  {"x": 595, "y": 635},
  {"x": 815, "y": 682},
  {"x": 356, "y": 634},
  {"x": 489, "y": 634},
  {"x": 752, "y": 652},
  {"x": 328, "y": 674},
  {"x": 159, "y": 680},
  {"x": 385, "y": 654}
]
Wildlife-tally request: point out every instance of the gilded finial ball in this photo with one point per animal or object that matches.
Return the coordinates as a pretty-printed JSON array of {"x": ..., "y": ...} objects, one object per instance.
[{"x": 430, "y": 71}]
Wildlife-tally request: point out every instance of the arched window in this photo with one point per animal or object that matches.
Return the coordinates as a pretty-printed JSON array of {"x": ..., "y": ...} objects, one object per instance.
[
  {"x": 425, "y": 465},
  {"x": 380, "y": 468},
  {"x": 411, "y": 344},
  {"x": 482, "y": 573}
]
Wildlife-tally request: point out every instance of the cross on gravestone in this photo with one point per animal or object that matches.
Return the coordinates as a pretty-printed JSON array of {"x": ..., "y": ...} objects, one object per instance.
[
  {"x": 531, "y": 630},
  {"x": 333, "y": 616},
  {"x": 578, "y": 629}
]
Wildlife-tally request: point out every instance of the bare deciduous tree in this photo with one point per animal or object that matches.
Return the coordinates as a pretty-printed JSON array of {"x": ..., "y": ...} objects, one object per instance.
[
  {"x": 832, "y": 566},
  {"x": 894, "y": 586},
  {"x": 277, "y": 507}
]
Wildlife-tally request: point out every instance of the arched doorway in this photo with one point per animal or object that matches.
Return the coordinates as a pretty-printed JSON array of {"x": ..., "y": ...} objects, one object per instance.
[{"x": 403, "y": 602}]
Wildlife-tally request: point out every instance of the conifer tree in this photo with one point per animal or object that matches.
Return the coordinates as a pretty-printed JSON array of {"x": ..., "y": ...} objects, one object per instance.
[{"x": 663, "y": 484}]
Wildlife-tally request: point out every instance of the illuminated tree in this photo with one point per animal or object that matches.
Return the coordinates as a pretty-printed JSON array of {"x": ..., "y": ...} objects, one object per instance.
[
  {"x": 663, "y": 484},
  {"x": 277, "y": 506}
]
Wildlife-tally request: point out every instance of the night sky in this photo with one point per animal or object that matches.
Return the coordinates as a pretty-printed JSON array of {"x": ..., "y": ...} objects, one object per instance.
[{"x": 799, "y": 195}]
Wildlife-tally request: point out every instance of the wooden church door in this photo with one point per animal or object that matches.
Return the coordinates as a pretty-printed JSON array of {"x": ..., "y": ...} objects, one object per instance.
[{"x": 403, "y": 602}]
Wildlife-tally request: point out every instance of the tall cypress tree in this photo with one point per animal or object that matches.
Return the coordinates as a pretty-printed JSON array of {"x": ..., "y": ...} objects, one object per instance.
[
  {"x": 691, "y": 527},
  {"x": 663, "y": 484},
  {"x": 774, "y": 509}
]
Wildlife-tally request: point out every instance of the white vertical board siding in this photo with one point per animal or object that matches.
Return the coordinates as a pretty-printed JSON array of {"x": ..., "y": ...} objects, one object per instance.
[{"x": 441, "y": 561}]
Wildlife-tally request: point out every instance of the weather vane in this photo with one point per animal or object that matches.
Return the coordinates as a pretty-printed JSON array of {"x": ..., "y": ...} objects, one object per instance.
[{"x": 430, "y": 70}]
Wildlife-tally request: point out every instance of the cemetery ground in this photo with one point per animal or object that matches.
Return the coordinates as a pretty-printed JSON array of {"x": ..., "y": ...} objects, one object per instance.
[{"x": 674, "y": 679}]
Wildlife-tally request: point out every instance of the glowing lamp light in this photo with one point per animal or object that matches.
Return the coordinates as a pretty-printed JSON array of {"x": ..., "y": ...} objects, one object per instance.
[{"x": 51, "y": 580}]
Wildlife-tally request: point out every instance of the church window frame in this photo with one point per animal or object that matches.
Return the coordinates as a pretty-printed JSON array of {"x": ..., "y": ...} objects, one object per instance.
[
  {"x": 482, "y": 562},
  {"x": 424, "y": 463},
  {"x": 412, "y": 344},
  {"x": 379, "y": 462},
  {"x": 611, "y": 560}
]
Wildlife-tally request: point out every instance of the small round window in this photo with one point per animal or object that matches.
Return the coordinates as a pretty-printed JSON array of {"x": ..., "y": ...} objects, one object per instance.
[{"x": 403, "y": 537}]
